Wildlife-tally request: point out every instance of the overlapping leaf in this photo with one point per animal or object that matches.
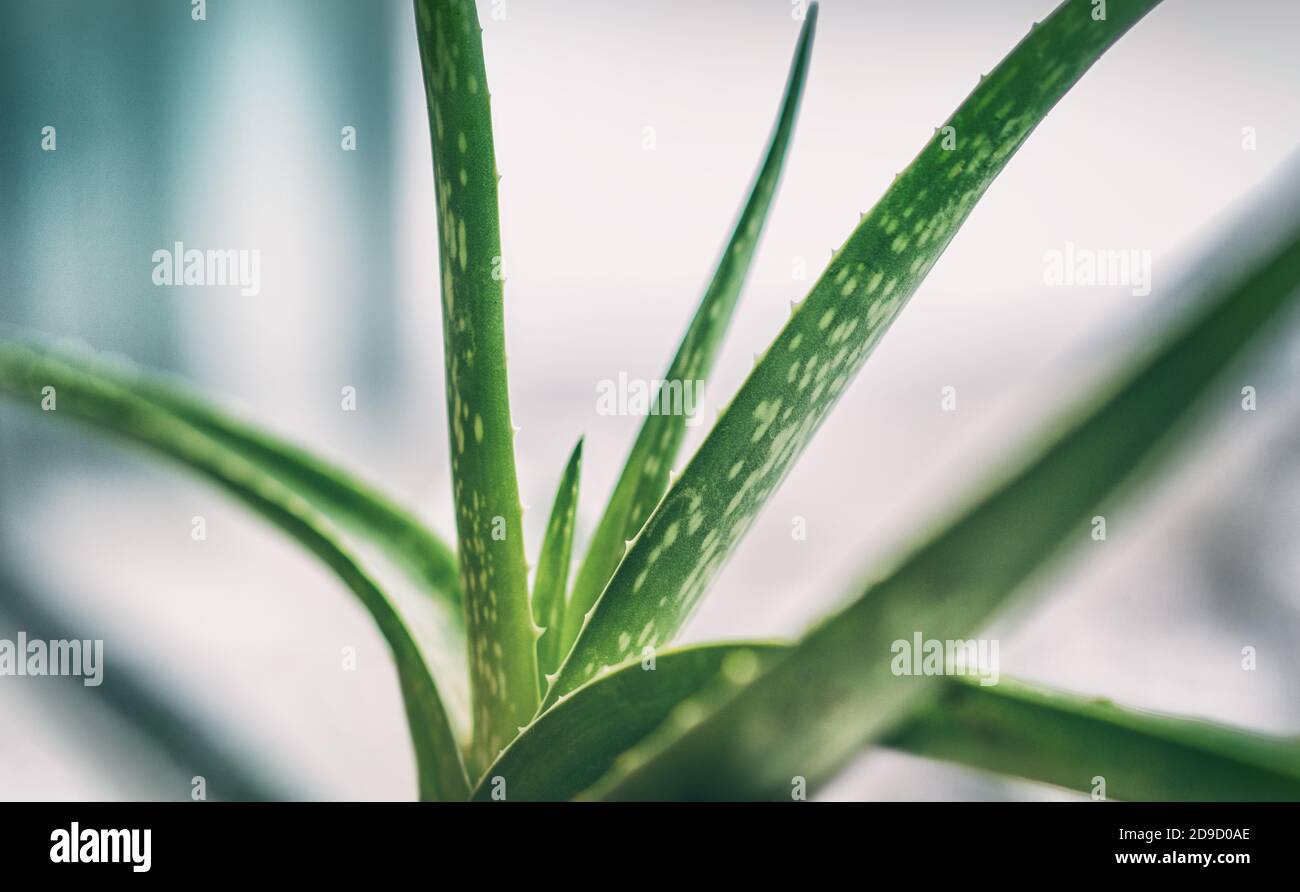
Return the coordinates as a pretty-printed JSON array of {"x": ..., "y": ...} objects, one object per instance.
[
  {"x": 837, "y": 689},
  {"x": 645, "y": 474},
  {"x": 791, "y": 389},
  {"x": 338, "y": 494},
  {"x": 25, "y": 373},
  {"x": 1010, "y": 728}
]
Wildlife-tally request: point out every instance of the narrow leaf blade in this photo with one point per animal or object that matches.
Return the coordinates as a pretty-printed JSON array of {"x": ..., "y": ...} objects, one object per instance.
[
  {"x": 1068, "y": 741},
  {"x": 553, "y": 567},
  {"x": 25, "y": 372},
  {"x": 838, "y": 689},
  {"x": 1012, "y": 729},
  {"x": 494, "y": 575},
  {"x": 793, "y": 387},
  {"x": 645, "y": 474},
  {"x": 346, "y": 500}
]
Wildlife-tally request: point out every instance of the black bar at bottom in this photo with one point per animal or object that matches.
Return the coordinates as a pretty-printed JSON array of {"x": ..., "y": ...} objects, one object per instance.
[{"x": 234, "y": 841}]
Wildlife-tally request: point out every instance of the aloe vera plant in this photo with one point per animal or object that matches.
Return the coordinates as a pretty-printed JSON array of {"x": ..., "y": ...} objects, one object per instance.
[{"x": 577, "y": 691}]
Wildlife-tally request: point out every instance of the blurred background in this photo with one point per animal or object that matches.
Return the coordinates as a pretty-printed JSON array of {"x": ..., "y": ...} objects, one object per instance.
[{"x": 226, "y": 133}]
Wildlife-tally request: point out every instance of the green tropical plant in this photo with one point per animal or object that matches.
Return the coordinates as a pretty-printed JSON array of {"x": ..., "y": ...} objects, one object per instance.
[{"x": 575, "y": 690}]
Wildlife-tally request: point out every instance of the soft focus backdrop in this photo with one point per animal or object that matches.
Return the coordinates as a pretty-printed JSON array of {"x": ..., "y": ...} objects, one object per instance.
[{"x": 226, "y": 134}]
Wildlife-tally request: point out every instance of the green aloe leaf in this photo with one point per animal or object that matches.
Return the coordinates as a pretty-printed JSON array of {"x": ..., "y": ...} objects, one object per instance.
[
  {"x": 711, "y": 506},
  {"x": 836, "y": 690},
  {"x": 1010, "y": 728},
  {"x": 494, "y": 574},
  {"x": 25, "y": 373},
  {"x": 553, "y": 567},
  {"x": 645, "y": 474},
  {"x": 346, "y": 500},
  {"x": 1070, "y": 741},
  {"x": 365, "y": 513},
  {"x": 574, "y": 743}
]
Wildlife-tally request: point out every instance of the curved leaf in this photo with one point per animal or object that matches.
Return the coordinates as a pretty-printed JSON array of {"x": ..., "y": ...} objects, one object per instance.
[
  {"x": 1068, "y": 741},
  {"x": 645, "y": 474},
  {"x": 573, "y": 744},
  {"x": 1011, "y": 728},
  {"x": 837, "y": 689},
  {"x": 25, "y": 372},
  {"x": 346, "y": 500},
  {"x": 791, "y": 389}
]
